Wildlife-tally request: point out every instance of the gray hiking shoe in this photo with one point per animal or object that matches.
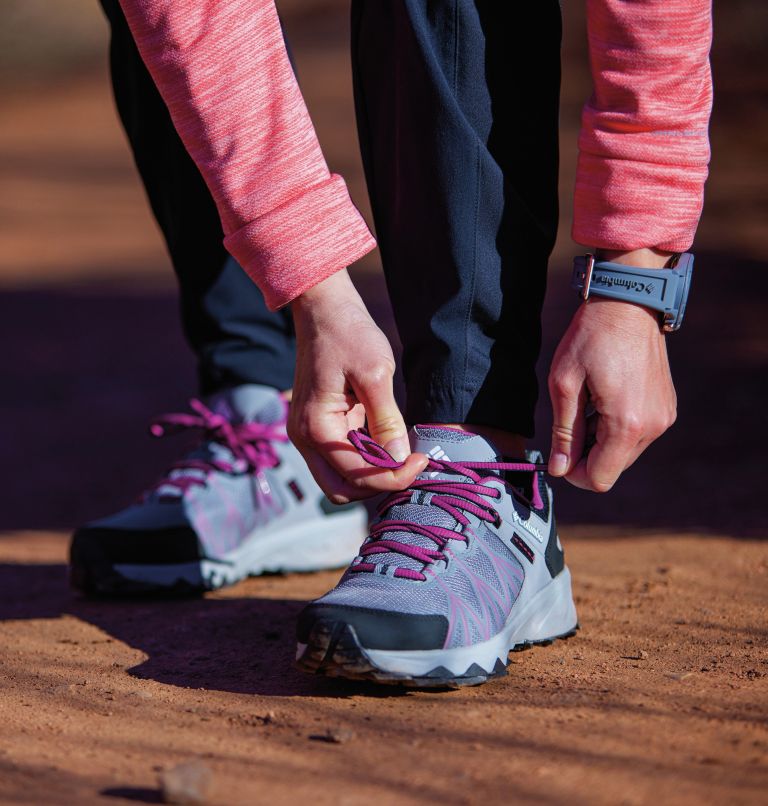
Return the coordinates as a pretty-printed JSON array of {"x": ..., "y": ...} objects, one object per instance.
[
  {"x": 459, "y": 569},
  {"x": 242, "y": 503}
]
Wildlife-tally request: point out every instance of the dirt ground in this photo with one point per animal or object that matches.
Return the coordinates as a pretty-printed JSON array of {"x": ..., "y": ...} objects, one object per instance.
[{"x": 662, "y": 697}]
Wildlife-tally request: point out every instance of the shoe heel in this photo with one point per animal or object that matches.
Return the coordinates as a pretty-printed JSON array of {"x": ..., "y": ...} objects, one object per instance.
[{"x": 550, "y": 614}]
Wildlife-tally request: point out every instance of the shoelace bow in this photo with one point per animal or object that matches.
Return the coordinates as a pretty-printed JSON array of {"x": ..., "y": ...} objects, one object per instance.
[
  {"x": 454, "y": 497},
  {"x": 249, "y": 443}
]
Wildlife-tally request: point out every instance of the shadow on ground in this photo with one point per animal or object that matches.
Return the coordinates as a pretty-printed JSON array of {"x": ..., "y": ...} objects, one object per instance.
[
  {"x": 240, "y": 645},
  {"x": 84, "y": 370}
]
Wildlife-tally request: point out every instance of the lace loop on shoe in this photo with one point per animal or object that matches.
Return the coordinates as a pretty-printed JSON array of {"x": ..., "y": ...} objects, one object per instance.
[
  {"x": 249, "y": 443},
  {"x": 454, "y": 497}
]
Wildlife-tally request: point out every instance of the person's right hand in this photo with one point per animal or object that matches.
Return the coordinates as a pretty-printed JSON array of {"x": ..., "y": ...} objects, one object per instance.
[{"x": 344, "y": 371}]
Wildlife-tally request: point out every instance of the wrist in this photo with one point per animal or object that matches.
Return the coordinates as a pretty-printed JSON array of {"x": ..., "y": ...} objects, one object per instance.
[
  {"x": 620, "y": 317},
  {"x": 334, "y": 291},
  {"x": 654, "y": 279},
  {"x": 331, "y": 308},
  {"x": 646, "y": 258}
]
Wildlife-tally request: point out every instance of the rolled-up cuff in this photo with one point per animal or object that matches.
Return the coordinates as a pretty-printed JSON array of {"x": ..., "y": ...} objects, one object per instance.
[
  {"x": 625, "y": 205},
  {"x": 297, "y": 245}
]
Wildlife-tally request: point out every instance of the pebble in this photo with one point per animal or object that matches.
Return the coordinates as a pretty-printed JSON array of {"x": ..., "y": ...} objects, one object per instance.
[
  {"x": 186, "y": 783},
  {"x": 334, "y": 736},
  {"x": 679, "y": 675},
  {"x": 641, "y": 655}
]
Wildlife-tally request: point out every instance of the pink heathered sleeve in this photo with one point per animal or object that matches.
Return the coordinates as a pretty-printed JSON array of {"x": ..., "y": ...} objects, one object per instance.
[
  {"x": 223, "y": 71},
  {"x": 644, "y": 145}
]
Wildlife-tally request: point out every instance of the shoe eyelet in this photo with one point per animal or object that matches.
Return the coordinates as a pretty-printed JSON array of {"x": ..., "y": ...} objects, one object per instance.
[{"x": 496, "y": 519}]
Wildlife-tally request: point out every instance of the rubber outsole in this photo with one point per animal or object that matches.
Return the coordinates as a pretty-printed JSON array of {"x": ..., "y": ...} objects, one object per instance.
[
  {"x": 330, "y": 542},
  {"x": 334, "y": 650},
  {"x": 104, "y": 582}
]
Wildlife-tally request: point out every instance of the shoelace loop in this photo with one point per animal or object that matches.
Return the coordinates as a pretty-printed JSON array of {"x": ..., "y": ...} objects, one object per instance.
[
  {"x": 249, "y": 443},
  {"x": 454, "y": 497}
]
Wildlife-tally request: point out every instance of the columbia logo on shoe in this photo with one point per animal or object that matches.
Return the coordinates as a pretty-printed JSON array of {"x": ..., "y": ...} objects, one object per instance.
[{"x": 437, "y": 453}]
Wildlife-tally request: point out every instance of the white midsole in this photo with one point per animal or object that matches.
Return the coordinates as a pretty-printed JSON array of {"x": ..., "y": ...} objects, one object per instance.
[
  {"x": 547, "y": 614},
  {"x": 328, "y": 541}
]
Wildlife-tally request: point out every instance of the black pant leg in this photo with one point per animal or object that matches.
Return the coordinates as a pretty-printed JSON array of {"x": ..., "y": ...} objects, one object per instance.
[
  {"x": 457, "y": 106},
  {"x": 235, "y": 337}
]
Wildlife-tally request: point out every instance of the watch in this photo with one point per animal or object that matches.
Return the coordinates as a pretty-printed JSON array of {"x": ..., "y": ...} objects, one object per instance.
[{"x": 662, "y": 290}]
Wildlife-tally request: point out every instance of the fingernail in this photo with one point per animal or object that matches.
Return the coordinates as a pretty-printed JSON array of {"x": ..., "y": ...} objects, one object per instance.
[
  {"x": 558, "y": 464},
  {"x": 399, "y": 449}
]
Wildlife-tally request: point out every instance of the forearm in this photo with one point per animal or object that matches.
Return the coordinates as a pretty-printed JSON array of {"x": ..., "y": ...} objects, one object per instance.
[
  {"x": 224, "y": 74},
  {"x": 644, "y": 146}
]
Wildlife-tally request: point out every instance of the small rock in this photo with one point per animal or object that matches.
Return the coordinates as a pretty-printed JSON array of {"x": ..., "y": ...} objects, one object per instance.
[
  {"x": 641, "y": 655},
  {"x": 679, "y": 675},
  {"x": 186, "y": 783},
  {"x": 334, "y": 736}
]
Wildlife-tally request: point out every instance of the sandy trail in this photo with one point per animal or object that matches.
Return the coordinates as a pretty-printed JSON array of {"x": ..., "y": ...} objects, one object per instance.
[{"x": 661, "y": 698}]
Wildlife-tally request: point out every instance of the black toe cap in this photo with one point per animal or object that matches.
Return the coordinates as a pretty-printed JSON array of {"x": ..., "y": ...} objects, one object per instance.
[
  {"x": 95, "y": 544},
  {"x": 377, "y": 629}
]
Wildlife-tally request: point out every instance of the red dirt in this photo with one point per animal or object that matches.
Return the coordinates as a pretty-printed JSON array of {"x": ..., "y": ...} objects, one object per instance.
[{"x": 662, "y": 697}]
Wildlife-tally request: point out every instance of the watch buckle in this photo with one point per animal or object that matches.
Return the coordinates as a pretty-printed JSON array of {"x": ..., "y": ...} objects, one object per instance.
[
  {"x": 668, "y": 323},
  {"x": 588, "y": 276}
]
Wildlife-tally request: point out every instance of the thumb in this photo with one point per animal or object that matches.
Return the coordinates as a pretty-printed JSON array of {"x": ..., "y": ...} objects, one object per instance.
[
  {"x": 385, "y": 422},
  {"x": 568, "y": 427}
]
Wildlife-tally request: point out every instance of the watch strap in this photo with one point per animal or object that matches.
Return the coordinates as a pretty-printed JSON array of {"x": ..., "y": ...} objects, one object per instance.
[{"x": 652, "y": 288}]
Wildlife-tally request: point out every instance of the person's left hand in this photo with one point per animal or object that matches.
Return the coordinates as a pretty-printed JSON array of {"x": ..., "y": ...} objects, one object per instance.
[{"x": 612, "y": 358}]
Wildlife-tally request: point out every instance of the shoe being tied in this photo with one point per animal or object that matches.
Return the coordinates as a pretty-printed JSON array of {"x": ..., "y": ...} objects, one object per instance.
[
  {"x": 458, "y": 570},
  {"x": 242, "y": 503}
]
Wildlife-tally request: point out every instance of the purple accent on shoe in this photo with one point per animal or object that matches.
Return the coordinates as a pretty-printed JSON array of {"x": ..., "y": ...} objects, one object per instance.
[
  {"x": 296, "y": 490},
  {"x": 455, "y": 498},
  {"x": 537, "y": 500},
  {"x": 524, "y": 548}
]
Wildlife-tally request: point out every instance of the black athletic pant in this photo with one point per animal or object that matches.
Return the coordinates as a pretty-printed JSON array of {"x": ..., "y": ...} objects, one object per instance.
[
  {"x": 457, "y": 104},
  {"x": 235, "y": 337}
]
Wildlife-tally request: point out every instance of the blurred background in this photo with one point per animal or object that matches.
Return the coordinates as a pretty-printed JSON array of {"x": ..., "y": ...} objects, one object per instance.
[{"x": 89, "y": 332}]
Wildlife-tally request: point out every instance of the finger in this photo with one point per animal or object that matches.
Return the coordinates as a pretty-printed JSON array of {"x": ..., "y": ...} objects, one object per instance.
[
  {"x": 580, "y": 474},
  {"x": 325, "y": 433},
  {"x": 569, "y": 397},
  {"x": 348, "y": 463},
  {"x": 616, "y": 447},
  {"x": 385, "y": 422},
  {"x": 356, "y": 417},
  {"x": 337, "y": 489}
]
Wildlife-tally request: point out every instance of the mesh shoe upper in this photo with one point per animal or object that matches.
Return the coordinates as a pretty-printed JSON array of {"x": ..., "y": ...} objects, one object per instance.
[
  {"x": 447, "y": 561},
  {"x": 231, "y": 483}
]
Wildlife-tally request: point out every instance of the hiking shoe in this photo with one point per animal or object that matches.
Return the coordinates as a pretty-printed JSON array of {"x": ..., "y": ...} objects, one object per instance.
[
  {"x": 242, "y": 503},
  {"x": 459, "y": 569}
]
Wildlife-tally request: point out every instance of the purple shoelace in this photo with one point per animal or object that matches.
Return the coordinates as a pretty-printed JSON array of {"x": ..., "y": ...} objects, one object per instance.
[
  {"x": 249, "y": 443},
  {"x": 454, "y": 497}
]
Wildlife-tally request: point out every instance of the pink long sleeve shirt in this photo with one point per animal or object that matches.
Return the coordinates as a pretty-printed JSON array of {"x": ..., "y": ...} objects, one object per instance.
[{"x": 222, "y": 69}]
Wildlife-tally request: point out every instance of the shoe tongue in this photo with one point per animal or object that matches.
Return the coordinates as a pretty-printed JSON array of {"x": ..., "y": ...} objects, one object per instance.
[
  {"x": 451, "y": 445},
  {"x": 249, "y": 403}
]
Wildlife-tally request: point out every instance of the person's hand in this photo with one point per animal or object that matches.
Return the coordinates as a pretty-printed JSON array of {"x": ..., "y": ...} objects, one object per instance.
[
  {"x": 344, "y": 371},
  {"x": 612, "y": 360}
]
